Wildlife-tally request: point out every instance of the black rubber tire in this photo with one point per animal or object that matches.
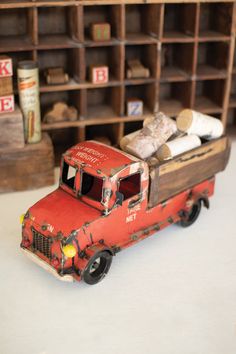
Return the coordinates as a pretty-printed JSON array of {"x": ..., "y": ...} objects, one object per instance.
[
  {"x": 192, "y": 216},
  {"x": 94, "y": 274}
]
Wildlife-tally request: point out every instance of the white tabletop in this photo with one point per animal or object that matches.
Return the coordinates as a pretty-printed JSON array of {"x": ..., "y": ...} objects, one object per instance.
[{"x": 174, "y": 293}]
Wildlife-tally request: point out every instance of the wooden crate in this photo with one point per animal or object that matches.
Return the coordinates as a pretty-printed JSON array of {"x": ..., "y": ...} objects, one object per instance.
[
  {"x": 187, "y": 46},
  {"x": 27, "y": 168}
]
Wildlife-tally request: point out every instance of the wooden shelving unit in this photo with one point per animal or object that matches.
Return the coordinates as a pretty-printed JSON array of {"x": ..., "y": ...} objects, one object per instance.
[{"x": 188, "y": 48}]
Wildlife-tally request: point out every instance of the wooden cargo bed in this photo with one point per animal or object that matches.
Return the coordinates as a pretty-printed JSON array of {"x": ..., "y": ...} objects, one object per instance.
[{"x": 188, "y": 169}]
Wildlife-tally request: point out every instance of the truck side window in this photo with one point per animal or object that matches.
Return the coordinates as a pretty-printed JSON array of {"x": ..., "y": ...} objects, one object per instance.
[
  {"x": 92, "y": 186},
  {"x": 68, "y": 175},
  {"x": 130, "y": 186}
]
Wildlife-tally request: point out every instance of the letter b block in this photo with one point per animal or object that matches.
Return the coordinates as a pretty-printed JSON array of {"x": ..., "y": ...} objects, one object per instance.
[
  {"x": 99, "y": 74},
  {"x": 134, "y": 107}
]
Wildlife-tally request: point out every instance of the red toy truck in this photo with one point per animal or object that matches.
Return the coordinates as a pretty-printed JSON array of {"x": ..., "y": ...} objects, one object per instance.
[{"x": 108, "y": 200}]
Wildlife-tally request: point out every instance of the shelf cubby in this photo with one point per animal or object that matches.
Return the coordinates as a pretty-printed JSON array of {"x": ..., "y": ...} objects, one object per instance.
[
  {"x": 103, "y": 102},
  {"x": 65, "y": 58},
  {"x": 144, "y": 92},
  {"x": 130, "y": 127},
  {"x": 72, "y": 98},
  {"x": 177, "y": 61},
  {"x": 179, "y": 22},
  {"x": 58, "y": 26},
  {"x": 174, "y": 96},
  {"x": 110, "y": 131},
  {"x": 212, "y": 60},
  {"x": 209, "y": 96},
  {"x": 15, "y": 32},
  {"x": 142, "y": 23},
  {"x": 103, "y": 14},
  {"x": 105, "y": 56},
  {"x": 215, "y": 20},
  {"x": 147, "y": 54}
]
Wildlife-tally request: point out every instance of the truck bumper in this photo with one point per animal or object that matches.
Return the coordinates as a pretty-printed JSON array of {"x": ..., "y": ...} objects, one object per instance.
[{"x": 46, "y": 266}]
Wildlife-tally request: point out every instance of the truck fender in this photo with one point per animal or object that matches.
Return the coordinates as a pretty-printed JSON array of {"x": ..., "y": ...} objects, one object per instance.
[
  {"x": 205, "y": 200},
  {"x": 90, "y": 251}
]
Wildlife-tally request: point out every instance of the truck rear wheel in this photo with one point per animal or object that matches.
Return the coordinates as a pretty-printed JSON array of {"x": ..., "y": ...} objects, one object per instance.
[
  {"x": 97, "y": 267},
  {"x": 192, "y": 215}
]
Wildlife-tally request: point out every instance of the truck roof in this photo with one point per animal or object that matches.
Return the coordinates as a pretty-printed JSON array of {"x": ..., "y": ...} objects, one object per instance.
[{"x": 98, "y": 156}]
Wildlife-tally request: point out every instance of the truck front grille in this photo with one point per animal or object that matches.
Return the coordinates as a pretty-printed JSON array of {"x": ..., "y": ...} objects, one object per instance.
[{"x": 42, "y": 243}]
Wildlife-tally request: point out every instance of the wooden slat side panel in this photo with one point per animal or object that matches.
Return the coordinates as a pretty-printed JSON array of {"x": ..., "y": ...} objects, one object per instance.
[{"x": 192, "y": 168}]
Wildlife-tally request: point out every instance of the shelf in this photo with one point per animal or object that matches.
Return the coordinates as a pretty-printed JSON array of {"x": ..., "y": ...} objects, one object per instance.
[
  {"x": 15, "y": 43},
  {"x": 232, "y": 101},
  {"x": 176, "y": 62},
  {"x": 139, "y": 38},
  {"x": 146, "y": 93},
  {"x": 179, "y": 22},
  {"x": 209, "y": 96},
  {"x": 147, "y": 54},
  {"x": 56, "y": 41},
  {"x": 215, "y": 20},
  {"x": 212, "y": 61},
  {"x": 103, "y": 103},
  {"x": 95, "y": 121},
  {"x": 136, "y": 24},
  {"x": 174, "y": 96},
  {"x": 102, "y": 14},
  {"x": 208, "y": 36}
]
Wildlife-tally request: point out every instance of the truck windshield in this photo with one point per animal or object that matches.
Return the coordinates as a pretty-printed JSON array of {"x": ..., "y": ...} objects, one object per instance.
[
  {"x": 68, "y": 175},
  {"x": 91, "y": 186}
]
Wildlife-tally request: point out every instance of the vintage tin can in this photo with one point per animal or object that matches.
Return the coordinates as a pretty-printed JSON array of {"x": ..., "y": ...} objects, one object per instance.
[{"x": 28, "y": 87}]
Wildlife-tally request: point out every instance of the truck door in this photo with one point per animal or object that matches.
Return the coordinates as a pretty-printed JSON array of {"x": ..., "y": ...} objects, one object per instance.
[{"x": 130, "y": 187}]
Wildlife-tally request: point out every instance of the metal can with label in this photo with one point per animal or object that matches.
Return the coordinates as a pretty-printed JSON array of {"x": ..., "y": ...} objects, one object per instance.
[{"x": 28, "y": 87}]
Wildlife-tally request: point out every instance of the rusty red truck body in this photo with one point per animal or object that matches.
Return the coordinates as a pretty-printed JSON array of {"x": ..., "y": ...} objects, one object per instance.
[{"x": 108, "y": 200}]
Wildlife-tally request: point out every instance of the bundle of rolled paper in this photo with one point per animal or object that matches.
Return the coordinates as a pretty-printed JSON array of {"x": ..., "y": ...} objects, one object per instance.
[{"x": 163, "y": 138}]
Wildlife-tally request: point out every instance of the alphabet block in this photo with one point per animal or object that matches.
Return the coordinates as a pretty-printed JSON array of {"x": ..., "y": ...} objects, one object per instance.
[
  {"x": 7, "y": 104},
  {"x": 6, "y": 86},
  {"x": 5, "y": 66},
  {"x": 99, "y": 74},
  {"x": 134, "y": 107},
  {"x": 100, "y": 32}
]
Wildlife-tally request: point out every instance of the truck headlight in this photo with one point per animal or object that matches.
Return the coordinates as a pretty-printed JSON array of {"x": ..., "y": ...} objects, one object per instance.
[
  {"x": 22, "y": 218},
  {"x": 69, "y": 250}
]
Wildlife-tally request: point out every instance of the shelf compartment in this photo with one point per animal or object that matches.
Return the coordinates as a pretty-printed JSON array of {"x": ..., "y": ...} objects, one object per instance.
[
  {"x": 144, "y": 92},
  {"x": 209, "y": 96},
  {"x": 103, "y": 103},
  {"x": 72, "y": 98},
  {"x": 212, "y": 60},
  {"x": 105, "y": 56},
  {"x": 68, "y": 59},
  {"x": 175, "y": 96},
  {"x": 103, "y": 14},
  {"x": 179, "y": 22},
  {"x": 147, "y": 54},
  {"x": 58, "y": 26},
  {"x": 109, "y": 131},
  {"x": 131, "y": 127},
  {"x": 15, "y": 31},
  {"x": 142, "y": 23},
  {"x": 215, "y": 20},
  {"x": 177, "y": 61}
]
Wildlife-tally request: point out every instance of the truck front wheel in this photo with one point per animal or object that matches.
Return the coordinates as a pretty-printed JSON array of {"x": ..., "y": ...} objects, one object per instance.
[
  {"x": 97, "y": 267},
  {"x": 190, "y": 217}
]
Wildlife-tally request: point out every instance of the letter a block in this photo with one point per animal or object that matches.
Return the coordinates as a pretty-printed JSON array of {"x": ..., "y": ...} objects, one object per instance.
[
  {"x": 7, "y": 104},
  {"x": 134, "y": 107},
  {"x": 99, "y": 74},
  {"x": 5, "y": 66},
  {"x": 100, "y": 32}
]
